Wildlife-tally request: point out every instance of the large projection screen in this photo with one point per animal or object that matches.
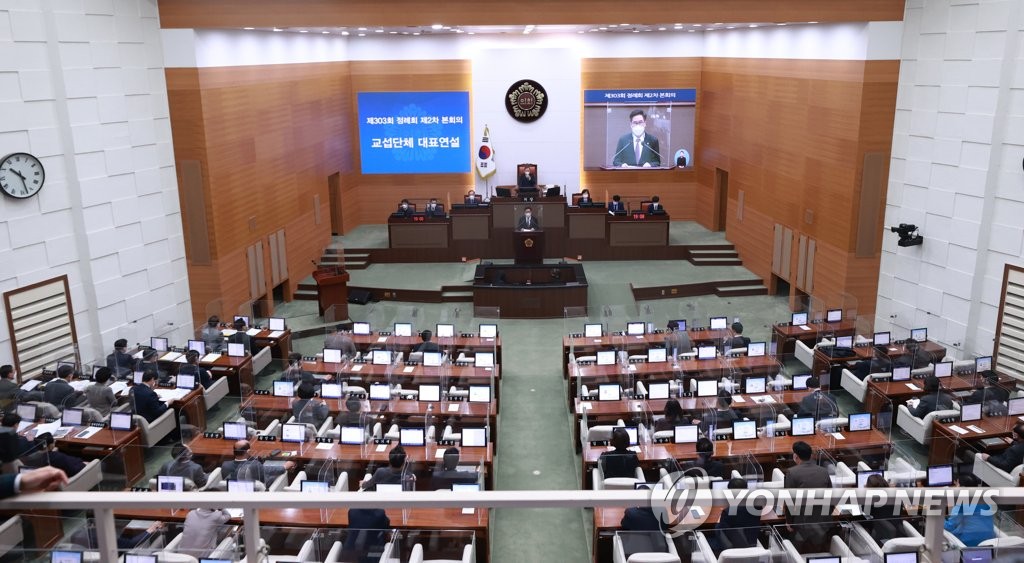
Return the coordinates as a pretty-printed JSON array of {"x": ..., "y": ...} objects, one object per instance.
[
  {"x": 670, "y": 119},
  {"x": 414, "y": 132}
]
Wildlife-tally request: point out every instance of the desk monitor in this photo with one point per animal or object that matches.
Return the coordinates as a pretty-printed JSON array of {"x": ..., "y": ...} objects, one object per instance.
[
  {"x": 483, "y": 359},
  {"x": 235, "y": 431},
  {"x": 380, "y": 392},
  {"x": 242, "y": 318},
  {"x": 430, "y": 393},
  {"x": 940, "y": 475},
  {"x": 479, "y": 393},
  {"x": 800, "y": 381},
  {"x": 137, "y": 558},
  {"x": 71, "y": 417},
  {"x": 634, "y": 437},
  {"x": 864, "y": 474},
  {"x": 860, "y": 422},
  {"x": 137, "y": 377},
  {"x": 919, "y": 334},
  {"x": 844, "y": 342},
  {"x": 681, "y": 324},
  {"x": 239, "y": 486},
  {"x": 444, "y": 330},
  {"x": 719, "y": 485},
  {"x": 432, "y": 359},
  {"x": 755, "y": 385},
  {"x": 901, "y": 373},
  {"x": 636, "y": 328},
  {"x": 307, "y": 486},
  {"x": 235, "y": 350},
  {"x": 294, "y": 433},
  {"x": 707, "y": 352},
  {"x": 381, "y": 357},
  {"x": 606, "y": 357},
  {"x": 944, "y": 369},
  {"x": 185, "y": 381},
  {"x": 275, "y": 323},
  {"x": 686, "y": 434},
  {"x": 609, "y": 392},
  {"x": 198, "y": 346},
  {"x": 707, "y": 387},
  {"x": 656, "y": 391},
  {"x": 1015, "y": 406},
  {"x": 656, "y": 355},
  {"x": 595, "y": 330},
  {"x": 170, "y": 483},
  {"x": 488, "y": 331},
  {"x": 361, "y": 329},
  {"x": 284, "y": 389},
  {"x": 120, "y": 421},
  {"x": 798, "y": 319},
  {"x": 389, "y": 487},
  {"x": 474, "y": 437},
  {"x": 881, "y": 339},
  {"x": 756, "y": 349},
  {"x": 411, "y": 436},
  {"x": 719, "y": 323},
  {"x": 982, "y": 363},
  {"x": 902, "y": 557},
  {"x": 403, "y": 329},
  {"x": 824, "y": 559},
  {"x": 351, "y": 435},
  {"x": 970, "y": 413},
  {"x": 27, "y": 412},
  {"x": 976, "y": 555},
  {"x": 158, "y": 344},
  {"x": 803, "y": 426},
  {"x": 744, "y": 430},
  {"x": 834, "y": 315},
  {"x": 332, "y": 356},
  {"x": 64, "y": 556}
]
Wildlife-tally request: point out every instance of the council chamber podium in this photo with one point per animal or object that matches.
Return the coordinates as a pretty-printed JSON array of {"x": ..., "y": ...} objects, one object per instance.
[
  {"x": 529, "y": 247},
  {"x": 332, "y": 291}
]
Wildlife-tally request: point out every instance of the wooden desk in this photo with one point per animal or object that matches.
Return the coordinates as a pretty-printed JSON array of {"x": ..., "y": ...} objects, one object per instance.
[
  {"x": 946, "y": 441},
  {"x": 825, "y": 363},
  {"x": 584, "y": 346},
  {"x": 530, "y": 291},
  {"x": 550, "y": 211},
  {"x": 471, "y": 223},
  {"x": 120, "y": 451},
  {"x": 624, "y": 230},
  {"x": 364, "y": 342},
  {"x": 418, "y": 232},
  {"x": 587, "y": 222},
  {"x": 280, "y": 346},
  {"x": 898, "y": 392},
  {"x": 237, "y": 370},
  {"x": 785, "y": 335}
]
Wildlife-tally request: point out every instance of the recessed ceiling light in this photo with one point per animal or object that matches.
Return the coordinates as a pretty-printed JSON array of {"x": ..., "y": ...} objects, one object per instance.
[
  {"x": 437, "y": 26},
  {"x": 661, "y": 29},
  {"x": 698, "y": 25},
  {"x": 581, "y": 31},
  {"x": 603, "y": 28},
  {"x": 471, "y": 33},
  {"x": 362, "y": 29},
  {"x": 781, "y": 24},
  {"x": 392, "y": 33},
  {"x": 718, "y": 23},
  {"x": 303, "y": 31},
  {"x": 248, "y": 28},
  {"x": 812, "y": 22},
  {"x": 362, "y": 35},
  {"x": 276, "y": 29},
  {"x": 752, "y": 25},
  {"x": 623, "y": 24},
  {"x": 325, "y": 32},
  {"x": 731, "y": 27},
  {"x": 636, "y": 31},
  {"x": 344, "y": 33},
  {"x": 690, "y": 30},
  {"x": 679, "y": 24},
  {"x": 378, "y": 31},
  {"x": 416, "y": 33},
  {"x": 613, "y": 25}
]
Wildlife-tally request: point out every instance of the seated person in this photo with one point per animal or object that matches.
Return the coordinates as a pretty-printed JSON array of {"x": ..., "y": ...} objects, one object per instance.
[
  {"x": 434, "y": 209},
  {"x": 970, "y": 523},
  {"x": 616, "y": 206},
  {"x": 390, "y": 475},
  {"x": 200, "y": 533},
  {"x": 674, "y": 416},
  {"x": 879, "y": 363},
  {"x": 705, "y": 460},
  {"x": 528, "y": 222},
  {"x": 294, "y": 371},
  {"x": 307, "y": 409},
  {"x": 367, "y": 533},
  {"x": 426, "y": 345},
  {"x": 934, "y": 398},
  {"x": 737, "y": 341},
  {"x": 916, "y": 356},
  {"x": 340, "y": 340},
  {"x": 1012, "y": 456},
  {"x": 247, "y": 467},
  {"x": 351, "y": 416},
  {"x": 470, "y": 198},
  {"x": 818, "y": 403},
  {"x": 882, "y": 522},
  {"x": 192, "y": 367},
  {"x": 14, "y": 445},
  {"x": 240, "y": 336},
  {"x": 404, "y": 209},
  {"x": 211, "y": 335},
  {"x": 9, "y": 388},
  {"x": 145, "y": 401},
  {"x": 149, "y": 362},
  {"x": 527, "y": 180},
  {"x": 643, "y": 519},
  {"x": 58, "y": 390},
  {"x": 677, "y": 341},
  {"x": 655, "y": 206},
  {"x": 50, "y": 455},
  {"x": 120, "y": 361},
  {"x": 619, "y": 461},
  {"x": 181, "y": 465},
  {"x": 85, "y": 536},
  {"x": 723, "y": 415},
  {"x": 99, "y": 395},
  {"x": 737, "y": 528},
  {"x": 584, "y": 200},
  {"x": 449, "y": 472},
  {"x": 991, "y": 392}
]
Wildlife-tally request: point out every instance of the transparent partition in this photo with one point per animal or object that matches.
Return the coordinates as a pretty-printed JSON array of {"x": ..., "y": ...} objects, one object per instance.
[
  {"x": 836, "y": 540},
  {"x": 432, "y": 545},
  {"x": 750, "y": 470},
  {"x": 644, "y": 545}
]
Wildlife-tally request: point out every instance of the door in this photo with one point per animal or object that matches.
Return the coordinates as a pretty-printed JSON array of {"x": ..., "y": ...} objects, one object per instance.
[
  {"x": 721, "y": 199},
  {"x": 334, "y": 191}
]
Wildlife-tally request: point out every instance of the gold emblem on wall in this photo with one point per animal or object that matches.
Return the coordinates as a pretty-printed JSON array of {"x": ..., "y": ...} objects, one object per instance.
[{"x": 526, "y": 101}]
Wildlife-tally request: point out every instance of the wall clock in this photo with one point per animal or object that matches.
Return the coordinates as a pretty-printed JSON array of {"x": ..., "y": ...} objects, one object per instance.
[{"x": 21, "y": 175}]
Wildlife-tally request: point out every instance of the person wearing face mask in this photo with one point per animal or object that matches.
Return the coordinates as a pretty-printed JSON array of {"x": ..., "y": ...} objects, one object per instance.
[
  {"x": 527, "y": 178},
  {"x": 637, "y": 148},
  {"x": 528, "y": 222},
  {"x": 584, "y": 199},
  {"x": 181, "y": 465},
  {"x": 404, "y": 209}
]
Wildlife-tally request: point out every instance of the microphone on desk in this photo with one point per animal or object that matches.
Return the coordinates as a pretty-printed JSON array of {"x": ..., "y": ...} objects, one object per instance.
[
  {"x": 630, "y": 145},
  {"x": 660, "y": 158}
]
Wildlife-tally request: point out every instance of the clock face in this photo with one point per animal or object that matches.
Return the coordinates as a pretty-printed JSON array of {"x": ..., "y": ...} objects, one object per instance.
[{"x": 21, "y": 175}]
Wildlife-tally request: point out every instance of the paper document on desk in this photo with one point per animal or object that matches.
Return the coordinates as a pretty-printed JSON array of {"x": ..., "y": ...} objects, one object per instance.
[
  {"x": 30, "y": 385},
  {"x": 228, "y": 332},
  {"x": 181, "y": 360},
  {"x": 740, "y": 399},
  {"x": 913, "y": 387},
  {"x": 119, "y": 387},
  {"x": 253, "y": 331},
  {"x": 324, "y": 446},
  {"x": 138, "y": 355},
  {"x": 408, "y": 369},
  {"x": 765, "y": 400},
  {"x": 50, "y": 427},
  {"x": 439, "y": 453},
  {"x": 23, "y": 425},
  {"x": 357, "y": 367},
  {"x": 838, "y": 436},
  {"x": 805, "y": 327},
  {"x": 276, "y": 334},
  {"x": 210, "y": 358},
  {"x": 975, "y": 429},
  {"x": 80, "y": 385},
  {"x": 88, "y": 433},
  {"x": 957, "y": 429},
  {"x": 234, "y": 512},
  {"x": 170, "y": 357},
  {"x": 454, "y": 407},
  {"x": 381, "y": 448},
  {"x": 168, "y": 395},
  {"x": 382, "y": 339}
]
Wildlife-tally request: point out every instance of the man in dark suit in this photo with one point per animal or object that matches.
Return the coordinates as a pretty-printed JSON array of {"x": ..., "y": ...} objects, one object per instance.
[
  {"x": 737, "y": 341},
  {"x": 637, "y": 148},
  {"x": 639, "y": 519},
  {"x": 50, "y": 455},
  {"x": 619, "y": 461},
  {"x": 58, "y": 390},
  {"x": 470, "y": 198},
  {"x": 147, "y": 403},
  {"x": 616, "y": 205},
  {"x": 528, "y": 179},
  {"x": 307, "y": 409},
  {"x": 1012, "y": 456},
  {"x": 404, "y": 209},
  {"x": 367, "y": 533},
  {"x": 434, "y": 209},
  {"x": 991, "y": 392},
  {"x": 817, "y": 404},
  {"x": 737, "y": 528},
  {"x": 10, "y": 390},
  {"x": 192, "y": 367},
  {"x": 210, "y": 334},
  {"x": 340, "y": 340},
  {"x": 120, "y": 361},
  {"x": 528, "y": 222},
  {"x": 390, "y": 475},
  {"x": 934, "y": 398},
  {"x": 240, "y": 337},
  {"x": 655, "y": 206},
  {"x": 449, "y": 472},
  {"x": 425, "y": 344},
  {"x": 809, "y": 527}
]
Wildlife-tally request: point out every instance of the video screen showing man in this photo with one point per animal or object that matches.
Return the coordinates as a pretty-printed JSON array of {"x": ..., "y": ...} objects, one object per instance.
[
  {"x": 528, "y": 222},
  {"x": 637, "y": 148},
  {"x": 527, "y": 178}
]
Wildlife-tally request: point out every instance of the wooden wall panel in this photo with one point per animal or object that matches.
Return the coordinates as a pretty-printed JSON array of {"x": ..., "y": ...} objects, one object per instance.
[
  {"x": 285, "y": 13},
  {"x": 676, "y": 188}
]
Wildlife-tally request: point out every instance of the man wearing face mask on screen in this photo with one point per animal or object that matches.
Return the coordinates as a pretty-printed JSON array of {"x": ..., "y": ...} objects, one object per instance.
[{"x": 637, "y": 148}]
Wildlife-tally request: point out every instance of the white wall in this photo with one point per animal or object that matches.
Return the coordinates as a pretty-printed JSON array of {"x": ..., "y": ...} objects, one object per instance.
[
  {"x": 82, "y": 87},
  {"x": 958, "y": 144}
]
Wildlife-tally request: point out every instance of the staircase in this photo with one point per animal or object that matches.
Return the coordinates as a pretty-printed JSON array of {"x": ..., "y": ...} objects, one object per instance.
[
  {"x": 714, "y": 255},
  {"x": 456, "y": 293}
]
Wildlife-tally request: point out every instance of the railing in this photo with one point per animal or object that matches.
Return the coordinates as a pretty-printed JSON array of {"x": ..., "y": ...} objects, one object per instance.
[{"x": 103, "y": 504}]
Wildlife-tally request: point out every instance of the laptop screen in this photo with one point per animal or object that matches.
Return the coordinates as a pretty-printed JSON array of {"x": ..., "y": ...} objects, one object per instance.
[
  {"x": 798, "y": 319},
  {"x": 656, "y": 355},
  {"x": 236, "y": 350},
  {"x": 904, "y": 557},
  {"x": 136, "y": 558},
  {"x": 970, "y": 413},
  {"x": 943, "y": 369},
  {"x": 330, "y": 390},
  {"x": 465, "y": 487},
  {"x": 474, "y": 437},
  {"x": 634, "y": 437},
  {"x": 432, "y": 359},
  {"x": 593, "y": 330},
  {"x": 483, "y": 359},
  {"x": 236, "y": 486},
  {"x": 488, "y": 331},
  {"x": 64, "y": 556},
  {"x": 844, "y": 341},
  {"x": 185, "y": 381},
  {"x": 834, "y": 315},
  {"x": 389, "y": 487},
  {"x": 120, "y": 421},
  {"x": 860, "y": 421},
  {"x": 707, "y": 387},
  {"x": 198, "y": 346},
  {"x": 680, "y": 324},
  {"x": 276, "y": 323},
  {"x": 380, "y": 392},
  {"x": 881, "y": 339},
  {"x": 381, "y": 357},
  {"x": 361, "y": 328},
  {"x": 351, "y": 435},
  {"x": 430, "y": 393},
  {"x": 686, "y": 434},
  {"x": 803, "y": 426},
  {"x": 158, "y": 344},
  {"x": 283, "y": 388},
  {"x": 976, "y": 555},
  {"x": 411, "y": 436},
  {"x": 137, "y": 377},
  {"x": 657, "y": 391},
  {"x": 755, "y": 385},
  {"x": 71, "y": 417},
  {"x": 293, "y": 433},
  {"x": 235, "y": 431},
  {"x": 314, "y": 486},
  {"x": 707, "y": 352},
  {"x": 744, "y": 429},
  {"x": 901, "y": 373},
  {"x": 635, "y": 329},
  {"x": 27, "y": 412},
  {"x": 608, "y": 392},
  {"x": 800, "y": 381},
  {"x": 755, "y": 349},
  {"x": 826, "y": 559},
  {"x": 605, "y": 357},
  {"x": 719, "y": 323},
  {"x": 919, "y": 334},
  {"x": 479, "y": 393},
  {"x": 403, "y": 329},
  {"x": 242, "y": 318},
  {"x": 444, "y": 330},
  {"x": 1016, "y": 406},
  {"x": 940, "y": 475},
  {"x": 170, "y": 483}
]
